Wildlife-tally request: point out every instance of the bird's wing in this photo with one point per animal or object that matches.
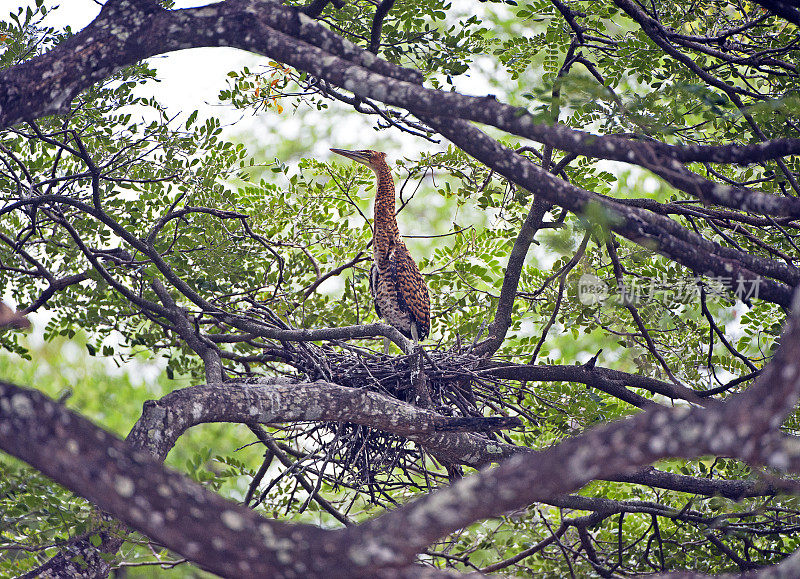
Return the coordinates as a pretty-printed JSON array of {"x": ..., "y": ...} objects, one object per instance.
[{"x": 412, "y": 293}]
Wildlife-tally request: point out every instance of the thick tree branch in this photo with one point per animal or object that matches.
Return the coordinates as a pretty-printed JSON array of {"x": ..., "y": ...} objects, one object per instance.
[
  {"x": 377, "y": 24},
  {"x": 744, "y": 427},
  {"x": 786, "y": 10},
  {"x": 730, "y": 489},
  {"x": 223, "y": 537},
  {"x": 644, "y": 228},
  {"x": 606, "y": 380},
  {"x": 290, "y": 36},
  {"x": 257, "y": 328},
  {"x": 165, "y": 420},
  {"x": 54, "y": 439},
  {"x": 190, "y": 334}
]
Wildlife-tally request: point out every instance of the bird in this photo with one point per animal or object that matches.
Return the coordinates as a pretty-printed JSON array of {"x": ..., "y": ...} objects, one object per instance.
[{"x": 398, "y": 289}]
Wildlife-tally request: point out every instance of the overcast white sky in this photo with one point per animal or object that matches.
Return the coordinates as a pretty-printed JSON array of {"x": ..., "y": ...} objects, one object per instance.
[{"x": 191, "y": 79}]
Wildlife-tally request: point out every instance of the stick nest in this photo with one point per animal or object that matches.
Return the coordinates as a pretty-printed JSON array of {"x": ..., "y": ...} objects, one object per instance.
[{"x": 375, "y": 462}]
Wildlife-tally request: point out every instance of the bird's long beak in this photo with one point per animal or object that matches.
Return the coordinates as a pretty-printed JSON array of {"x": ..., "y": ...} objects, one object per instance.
[{"x": 354, "y": 155}]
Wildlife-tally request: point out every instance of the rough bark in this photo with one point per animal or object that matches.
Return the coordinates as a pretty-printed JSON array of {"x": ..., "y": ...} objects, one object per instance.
[{"x": 230, "y": 539}]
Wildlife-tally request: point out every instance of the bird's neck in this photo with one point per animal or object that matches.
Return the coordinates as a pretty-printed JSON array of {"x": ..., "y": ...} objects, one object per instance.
[{"x": 385, "y": 222}]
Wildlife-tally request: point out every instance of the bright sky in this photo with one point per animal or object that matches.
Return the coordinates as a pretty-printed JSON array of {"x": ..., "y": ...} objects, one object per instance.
[{"x": 192, "y": 79}]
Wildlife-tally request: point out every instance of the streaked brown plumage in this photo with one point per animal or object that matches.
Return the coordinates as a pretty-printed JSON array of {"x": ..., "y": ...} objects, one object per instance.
[{"x": 398, "y": 289}]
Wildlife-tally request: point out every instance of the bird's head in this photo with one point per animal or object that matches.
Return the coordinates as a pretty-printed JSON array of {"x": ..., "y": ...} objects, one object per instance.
[{"x": 372, "y": 159}]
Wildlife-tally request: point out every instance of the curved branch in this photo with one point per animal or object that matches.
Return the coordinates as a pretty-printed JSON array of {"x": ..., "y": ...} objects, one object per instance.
[
  {"x": 651, "y": 230},
  {"x": 783, "y": 9},
  {"x": 255, "y": 26},
  {"x": 223, "y": 537},
  {"x": 206, "y": 349},
  {"x": 606, "y": 380},
  {"x": 508, "y": 293},
  {"x": 745, "y": 427},
  {"x": 165, "y": 420},
  {"x": 229, "y": 539},
  {"x": 377, "y": 24},
  {"x": 256, "y": 328}
]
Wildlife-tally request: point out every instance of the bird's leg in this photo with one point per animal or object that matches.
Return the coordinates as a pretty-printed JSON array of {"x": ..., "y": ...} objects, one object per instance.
[
  {"x": 418, "y": 378},
  {"x": 386, "y": 342}
]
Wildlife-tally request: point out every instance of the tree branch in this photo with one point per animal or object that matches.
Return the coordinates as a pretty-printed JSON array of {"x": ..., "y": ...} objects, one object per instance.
[
  {"x": 221, "y": 536},
  {"x": 744, "y": 427},
  {"x": 508, "y": 293},
  {"x": 165, "y": 420}
]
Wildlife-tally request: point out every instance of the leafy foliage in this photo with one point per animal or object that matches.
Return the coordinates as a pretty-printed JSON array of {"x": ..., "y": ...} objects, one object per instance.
[{"x": 235, "y": 231}]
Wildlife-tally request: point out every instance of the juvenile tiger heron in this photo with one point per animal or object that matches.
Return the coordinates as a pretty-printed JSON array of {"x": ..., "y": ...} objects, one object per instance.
[{"x": 398, "y": 289}]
